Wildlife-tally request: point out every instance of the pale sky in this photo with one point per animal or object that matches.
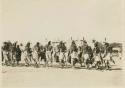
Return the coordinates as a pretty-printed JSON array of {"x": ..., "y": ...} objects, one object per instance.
[{"x": 35, "y": 20}]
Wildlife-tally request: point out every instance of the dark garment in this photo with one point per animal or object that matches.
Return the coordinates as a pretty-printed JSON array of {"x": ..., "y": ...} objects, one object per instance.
[
  {"x": 2, "y": 56},
  {"x": 48, "y": 47},
  {"x": 62, "y": 47},
  {"x": 5, "y": 47},
  {"x": 97, "y": 50},
  {"x": 18, "y": 54},
  {"x": 108, "y": 48},
  {"x": 56, "y": 57},
  {"x": 97, "y": 47},
  {"x": 42, "y": 55},
  {"x": 29, "y": 51},
  {"x": 74, "y": 48},
  {"x": 80, "y": 55}
]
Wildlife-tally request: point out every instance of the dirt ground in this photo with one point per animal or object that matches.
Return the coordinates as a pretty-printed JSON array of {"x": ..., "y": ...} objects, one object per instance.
[{"x": 30, "y": 77}]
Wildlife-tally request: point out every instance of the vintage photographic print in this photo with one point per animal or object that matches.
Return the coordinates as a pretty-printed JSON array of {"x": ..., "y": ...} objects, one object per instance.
[{"x": 62, "y": 44}]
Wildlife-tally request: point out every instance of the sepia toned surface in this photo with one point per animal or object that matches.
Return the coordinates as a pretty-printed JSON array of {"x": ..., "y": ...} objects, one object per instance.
[
  {"x": 44, "y": 20},
  {"x": 23, "y": 77}
]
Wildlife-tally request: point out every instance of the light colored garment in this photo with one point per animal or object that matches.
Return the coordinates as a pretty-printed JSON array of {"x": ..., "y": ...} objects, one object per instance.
[
  {"x": 61, "y": 56},
  {"x": 48, "y": 55},
  {"x": 86, "y": 56},
  {"x": 108, "y": 56},
  {"x": 74, "y": 55},
  {"x": 97, "y": 58},
  {"x": 5, "y": 55},
  {"x": 35, "y": 55}
]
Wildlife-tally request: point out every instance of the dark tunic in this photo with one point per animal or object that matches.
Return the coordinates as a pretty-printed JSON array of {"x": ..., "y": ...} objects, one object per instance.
[
  {"x": 62, "y": 47},
  {"x": 48, "y": 47},
  {"x": 18, "y": 54},
  {"x": 97, "y": 48},
  {"x": 74, "y": 48}
]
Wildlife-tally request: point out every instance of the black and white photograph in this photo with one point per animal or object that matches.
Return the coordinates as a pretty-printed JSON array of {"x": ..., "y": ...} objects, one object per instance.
[{"x": 62, "y": 44}]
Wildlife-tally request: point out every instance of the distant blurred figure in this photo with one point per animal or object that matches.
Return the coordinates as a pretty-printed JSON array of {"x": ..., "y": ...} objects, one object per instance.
[
  {"x": 28, "y": 54},
  {"x": 18, "y": 54},
  {"x": 74, "y": 53},
  {"x": 48, "y": 48},
  {"x": 36, "y": 54},
  {"x": 6, "y": 53},
  {"x": 62, "y": 54}
]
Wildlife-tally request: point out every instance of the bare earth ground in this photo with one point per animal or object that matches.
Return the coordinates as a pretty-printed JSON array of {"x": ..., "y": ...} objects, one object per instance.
[{"x": 30, "y": 77}]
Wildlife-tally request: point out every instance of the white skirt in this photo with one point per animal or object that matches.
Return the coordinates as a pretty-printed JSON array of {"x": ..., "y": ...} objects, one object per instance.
[
  {"x": 48, "y": 55},
  {"x": 5, "y": 55},
  {"x": 97, "y": 58},
  {"x": 107, "y": 57},
  {"x": 86, "y": 56},
  {"x": 35, "y": 55},
  {"x": 74, "y": 55},
  {"x": 61, "y": 56}
]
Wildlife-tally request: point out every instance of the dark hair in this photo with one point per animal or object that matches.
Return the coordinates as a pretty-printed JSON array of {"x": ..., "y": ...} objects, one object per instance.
[
  {"x": 49, "y": 42},
  {"x": 38, "y": 43}
]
